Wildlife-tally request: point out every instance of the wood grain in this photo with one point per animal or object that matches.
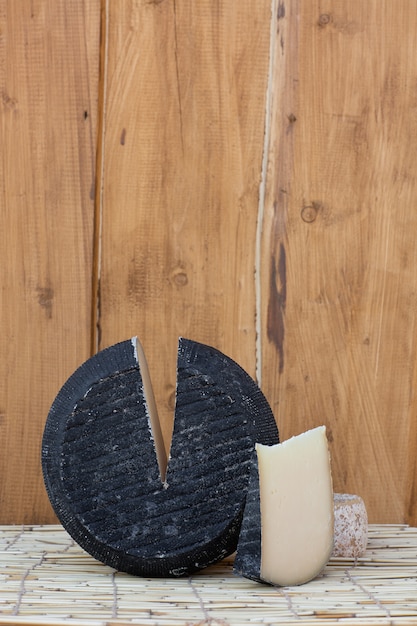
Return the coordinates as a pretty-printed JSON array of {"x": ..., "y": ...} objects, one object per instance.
[
  {"x": 262, "y": 204},
  {"x": 48, "y": 111},
  {"x": 339, "y": 254},
  {"x": 182, "y": 153}
]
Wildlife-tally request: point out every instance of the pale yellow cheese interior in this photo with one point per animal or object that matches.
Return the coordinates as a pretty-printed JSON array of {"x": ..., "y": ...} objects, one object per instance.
[
  {"x": 296, "y": 502},
  {"x": 153, "y": 417}
]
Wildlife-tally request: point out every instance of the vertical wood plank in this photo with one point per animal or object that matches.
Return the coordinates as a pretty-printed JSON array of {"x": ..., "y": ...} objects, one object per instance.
[
  {"x": 183, "y": 141},
  {"x": 339, "y": 253},
  {"x": 49, "y": 54}
]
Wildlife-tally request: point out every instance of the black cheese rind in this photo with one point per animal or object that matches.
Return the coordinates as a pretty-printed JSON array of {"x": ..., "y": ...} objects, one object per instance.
[
  {"x": 101, "y": 471},
  {"x": 248, "y": 556}
]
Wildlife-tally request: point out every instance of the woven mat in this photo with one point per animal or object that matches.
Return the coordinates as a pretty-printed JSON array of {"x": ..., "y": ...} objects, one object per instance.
[{"x": 45, "y": 578}]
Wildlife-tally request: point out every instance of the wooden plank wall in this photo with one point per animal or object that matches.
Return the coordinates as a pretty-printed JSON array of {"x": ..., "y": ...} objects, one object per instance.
[
  {"x": 241, "y": 174},
  {"x": 182, "y": 148},
  {"x": 48, "y": 116},
  {"x": 339, "y": 255}
]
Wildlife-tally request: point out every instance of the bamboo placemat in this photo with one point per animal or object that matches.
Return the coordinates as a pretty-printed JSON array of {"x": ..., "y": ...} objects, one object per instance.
[{"x": 45, "y": 578}]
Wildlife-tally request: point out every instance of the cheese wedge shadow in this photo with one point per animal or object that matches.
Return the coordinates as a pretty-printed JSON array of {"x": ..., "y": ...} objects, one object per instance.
[{"x": 101, "y": 470}]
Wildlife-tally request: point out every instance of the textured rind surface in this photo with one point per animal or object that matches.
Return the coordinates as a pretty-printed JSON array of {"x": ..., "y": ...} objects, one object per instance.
[
  {"x": 101, "y": 472},
  {"x": 248, "y": 557},
  {"x": 350, "y": 526}
]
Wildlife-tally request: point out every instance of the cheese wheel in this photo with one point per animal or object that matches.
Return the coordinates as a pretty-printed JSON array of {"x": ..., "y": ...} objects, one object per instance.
[
  {"x": 109, "y": 489},
  {"x": 288, "y": 524},
  {"x": 350, "y": 527}
]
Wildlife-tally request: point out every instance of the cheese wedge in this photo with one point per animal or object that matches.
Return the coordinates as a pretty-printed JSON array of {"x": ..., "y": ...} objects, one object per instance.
[
  {"x": 287, "y": 530},
  {"x": 105, "y": 468}
]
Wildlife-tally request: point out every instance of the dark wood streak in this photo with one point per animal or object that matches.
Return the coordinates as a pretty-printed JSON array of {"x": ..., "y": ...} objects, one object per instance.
[{"x": 277, "y": 302}]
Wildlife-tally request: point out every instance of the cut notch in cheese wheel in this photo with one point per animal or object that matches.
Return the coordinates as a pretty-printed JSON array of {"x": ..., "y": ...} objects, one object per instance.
[
  {"x": 102, "y": 473},
  {"x": 291, "y": 500},
  {"x": 151, "y": 408}
]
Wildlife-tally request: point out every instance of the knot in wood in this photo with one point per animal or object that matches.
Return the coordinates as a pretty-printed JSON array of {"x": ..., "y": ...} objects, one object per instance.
[
  {"x": 324, "y": 19},
  {"x": 309, "y": 213}
]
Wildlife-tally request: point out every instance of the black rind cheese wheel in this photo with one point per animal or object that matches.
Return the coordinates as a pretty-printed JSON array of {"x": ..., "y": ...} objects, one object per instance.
[{"x": 101, "y": 472}]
